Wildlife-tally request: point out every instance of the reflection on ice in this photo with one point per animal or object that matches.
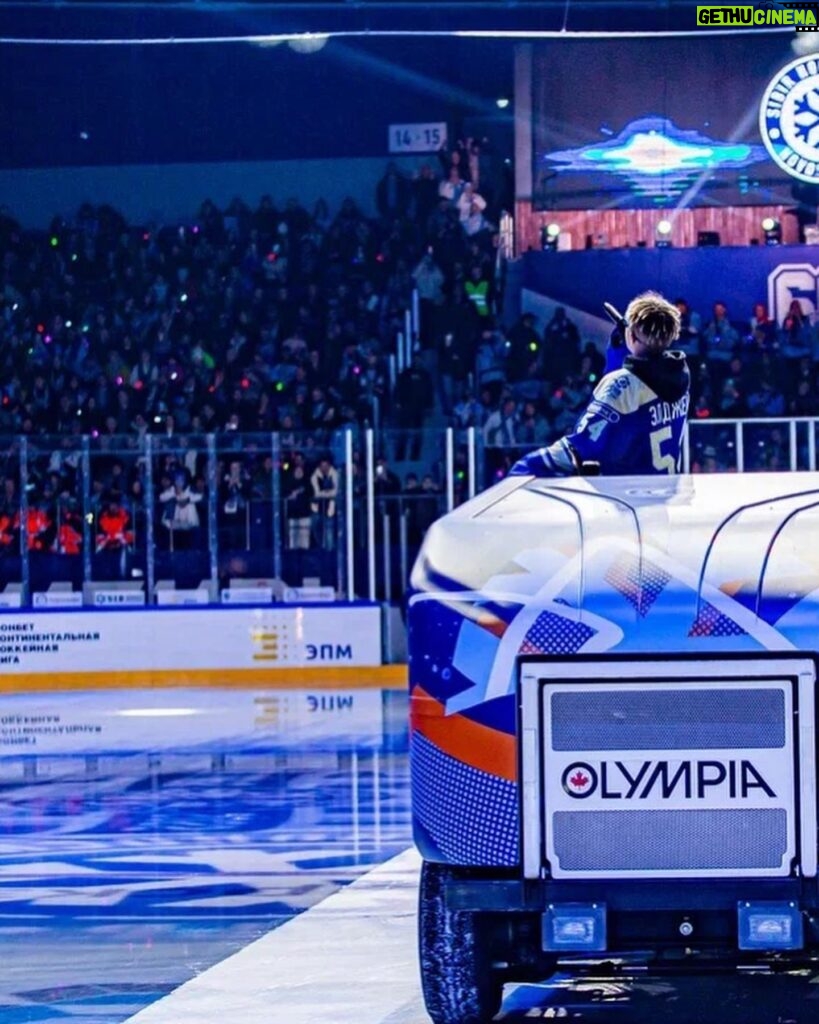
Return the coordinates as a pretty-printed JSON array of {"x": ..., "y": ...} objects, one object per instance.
[{"x": 153, "y": 846}]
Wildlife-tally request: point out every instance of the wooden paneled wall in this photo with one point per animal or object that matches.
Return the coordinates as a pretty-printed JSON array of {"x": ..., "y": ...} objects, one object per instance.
[{"x": 736, "y": 225}]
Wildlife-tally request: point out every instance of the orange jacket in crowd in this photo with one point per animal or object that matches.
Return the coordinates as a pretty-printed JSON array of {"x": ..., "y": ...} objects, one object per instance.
[
  {"x": 69, "y": 540},
  {"x": 113, "y": 530},
  {"x": 9, "y": 525},
  {"x": 38, "y": 522}
]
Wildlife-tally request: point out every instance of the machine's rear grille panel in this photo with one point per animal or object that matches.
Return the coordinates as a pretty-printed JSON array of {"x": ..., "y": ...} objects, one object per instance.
[
  {"x": 659, "y": 777},
  {"x": 668, "y": 719},
  {"x": 670, "y": 840}
]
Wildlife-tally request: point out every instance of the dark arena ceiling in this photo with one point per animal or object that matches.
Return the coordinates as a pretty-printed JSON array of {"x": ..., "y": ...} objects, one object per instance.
[{"x": 87, "y": 18}]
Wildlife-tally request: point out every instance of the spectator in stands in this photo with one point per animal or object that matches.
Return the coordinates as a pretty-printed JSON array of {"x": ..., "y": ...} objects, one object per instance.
[
  {"x": 477, "y": 163},
  {"x": 501, "y": 427},
  {"x": 324, "y": 484},
  {"x": 568, "y": 401},
  {"x": 145, "y": 372},
  {"x": 705, "y": 461},
  {"x": 523, "y": 346},
  {"x": 452, "y": 373},
  {"x": 803, "y": 402},
  {"x": 796, "y": 338},
  {"x": 448, "y": 159},
  {"x": 413, "y": 396},
  {"x": 690, "y": 340},
  {"x": 478, "y": 290},
  {"x": 731, "y": 401},
  {"x": 69, "y": 539},
  {"x": 561, "y": 343},
  {"x": 721, "y": 337},
  {"x": 10, "y": 518},
  {"x": 386, "y": 483},
  {"x": 592, "y": 362},
  {"x": 393, "y": 194},
  {"x": 469, "y": 412},
  {"x": 41, "y": 525},
  {"x": 429, "y": 280},
  {"x": 452, "y": 186},
  {"x": 763, "y": 329},
  {"x": 490, "y": 361},
  {"x": 232, "y": 507},
  {"x": 425, "y": 191},
  {"x": 298, "y": 493},
  {"x": 803, "y": 371},
  {"x": 765, "y": 399},
  {"x": 533, "y": 428},
  {"x": 468, "y": 199},
  {"x": 114, "y": 525},
  {"x": 180, "y": 516}
]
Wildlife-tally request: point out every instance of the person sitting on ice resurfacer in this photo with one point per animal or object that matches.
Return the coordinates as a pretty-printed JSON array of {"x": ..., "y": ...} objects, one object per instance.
[{"x": 636, "y": 419}]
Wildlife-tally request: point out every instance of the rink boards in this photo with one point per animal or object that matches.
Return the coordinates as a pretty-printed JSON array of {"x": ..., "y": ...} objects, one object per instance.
[{"x": 338, "y": 645}]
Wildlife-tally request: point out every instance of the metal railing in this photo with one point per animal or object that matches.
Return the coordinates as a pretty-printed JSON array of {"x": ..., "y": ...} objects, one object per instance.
[{"x": 211, "y": 517}]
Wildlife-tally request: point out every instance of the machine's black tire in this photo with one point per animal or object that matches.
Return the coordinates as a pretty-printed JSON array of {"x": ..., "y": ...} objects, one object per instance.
[{"x": 456, "y": 976}]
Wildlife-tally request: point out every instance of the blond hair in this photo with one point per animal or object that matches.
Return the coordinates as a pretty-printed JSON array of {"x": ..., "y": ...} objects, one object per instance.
[{"x": 657, "y": 320}]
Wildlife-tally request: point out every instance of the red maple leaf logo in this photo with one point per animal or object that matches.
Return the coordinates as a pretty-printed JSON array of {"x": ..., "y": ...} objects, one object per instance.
[{"x": 579, "y": 780}]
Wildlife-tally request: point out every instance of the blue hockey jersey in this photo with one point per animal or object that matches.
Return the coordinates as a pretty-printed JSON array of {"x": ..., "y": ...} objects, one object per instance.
[{"x": 633, "y": 425}]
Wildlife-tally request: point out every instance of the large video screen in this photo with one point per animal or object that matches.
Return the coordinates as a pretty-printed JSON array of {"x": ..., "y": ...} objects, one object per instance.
[{"x": 655, "y": 122}]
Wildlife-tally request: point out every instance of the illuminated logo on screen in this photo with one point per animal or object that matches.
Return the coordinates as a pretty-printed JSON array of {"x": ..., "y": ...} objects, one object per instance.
[
  {"x": 656, "y": 156},
  {"x": 789, "y": 118}
]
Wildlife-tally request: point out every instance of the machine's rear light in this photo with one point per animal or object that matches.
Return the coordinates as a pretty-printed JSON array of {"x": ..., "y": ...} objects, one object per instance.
[
  {"x": 574, "y": 927},
  {"x": 769, "y": 926}
]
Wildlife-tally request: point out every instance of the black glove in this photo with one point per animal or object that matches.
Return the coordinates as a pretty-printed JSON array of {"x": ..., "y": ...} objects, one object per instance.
[{"x": 616, "y": 339}]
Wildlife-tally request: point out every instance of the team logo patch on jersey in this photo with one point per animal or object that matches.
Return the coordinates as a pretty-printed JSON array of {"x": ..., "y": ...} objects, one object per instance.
[
  {"x": 622, "y": 392},
  {"x": 604, "y": 411}
]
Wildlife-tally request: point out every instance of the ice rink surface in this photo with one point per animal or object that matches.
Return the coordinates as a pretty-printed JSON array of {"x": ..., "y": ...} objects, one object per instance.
[
  {"x": 352, "y": 960},
  {"x": 244, "y": 883},
  {"x": 126, "y": 871}
]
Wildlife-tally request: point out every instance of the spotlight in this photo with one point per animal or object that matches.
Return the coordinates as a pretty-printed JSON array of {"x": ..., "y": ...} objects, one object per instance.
[
  {"x": 772, "y": 230},
  {"x": 308, "y": 42},
  {"x": 502, "y": 102},
  {"x": 549, "y": 235},
  {"x": 662, "y": 235}
]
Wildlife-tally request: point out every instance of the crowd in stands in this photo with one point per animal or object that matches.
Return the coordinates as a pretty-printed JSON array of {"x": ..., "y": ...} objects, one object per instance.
[
  {"x": 531, "y": 385},
  {"x": 236, "y": 322},
  {"x": 245, "y": 321}
]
